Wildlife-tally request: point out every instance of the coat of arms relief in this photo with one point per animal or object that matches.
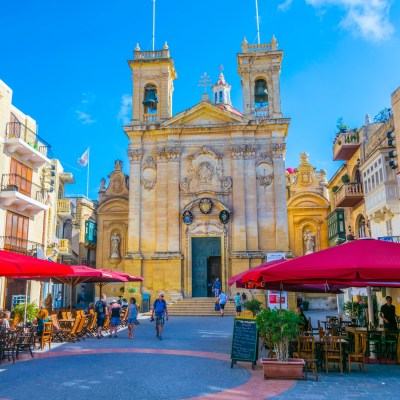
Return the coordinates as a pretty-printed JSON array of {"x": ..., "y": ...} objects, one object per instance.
[{"x": 206, "y": 173}]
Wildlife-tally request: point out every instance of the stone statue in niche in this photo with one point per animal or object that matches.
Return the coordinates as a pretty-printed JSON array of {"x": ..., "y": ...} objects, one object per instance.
[
  {"x": 115, "y": 242},
  {"x": 309, "y": 242}
]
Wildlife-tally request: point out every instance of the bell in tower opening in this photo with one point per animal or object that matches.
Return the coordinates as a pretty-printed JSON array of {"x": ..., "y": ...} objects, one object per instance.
[
  {"x": 150, "y": 100},
  {"x": 260, "y": 93}
]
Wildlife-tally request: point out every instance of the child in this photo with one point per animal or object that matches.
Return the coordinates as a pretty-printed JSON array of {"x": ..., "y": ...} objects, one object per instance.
[{"x": 132, "y": 316}]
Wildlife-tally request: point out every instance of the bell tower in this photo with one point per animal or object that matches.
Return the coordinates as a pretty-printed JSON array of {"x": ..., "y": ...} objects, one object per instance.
[
  {"x": 153, "y": 73},
  {"x": 259, "y": 66},
  {"x": 221, "y": 90}
]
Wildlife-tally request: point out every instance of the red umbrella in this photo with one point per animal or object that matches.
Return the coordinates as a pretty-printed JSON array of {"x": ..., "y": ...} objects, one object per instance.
[
  {"x": 238, "y": 278},
  {"x": 17, "y": 265},
  {"x": 119, "y": 276},
  {"x": 364, "y": 261}
]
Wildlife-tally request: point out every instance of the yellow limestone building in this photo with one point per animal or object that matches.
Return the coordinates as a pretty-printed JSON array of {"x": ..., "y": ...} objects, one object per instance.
[{"x": 206, "y": 192}]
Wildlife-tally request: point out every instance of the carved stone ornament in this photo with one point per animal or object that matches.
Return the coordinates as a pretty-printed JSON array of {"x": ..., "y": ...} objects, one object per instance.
[
  {"x": 264, "y": 170},
  {"x": 205, "y": 205},
  {"x": 169, "y": 154},
  {"x": 224, "y": 216},
  {"x": 135, "y": 155},
  {"x": 149, "y": 173},
  {"x": 205, "y": 173},
  {"x": 118, "y": 185},
  {"x": 240, "y": 151},
  {"x": 305, "y": 172},
  {"x": 278, "y": 150}
]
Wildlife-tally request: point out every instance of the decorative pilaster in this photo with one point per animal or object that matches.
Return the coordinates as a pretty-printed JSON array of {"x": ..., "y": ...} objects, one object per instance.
[
  {"x": 161, "y": 211},
  {"x": 282, "y": 234},
  {"x": 239, "y": 198},
  {"x": 135, "y": 157},
  {"x": 173, "y": 155}
]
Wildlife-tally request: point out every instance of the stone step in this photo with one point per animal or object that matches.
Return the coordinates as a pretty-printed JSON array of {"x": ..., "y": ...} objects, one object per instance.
[{"x": 199, "y": 306}]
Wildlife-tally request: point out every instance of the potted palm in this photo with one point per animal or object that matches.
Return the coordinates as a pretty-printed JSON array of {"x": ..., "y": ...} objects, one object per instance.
[{"x": 279, "y": 327}]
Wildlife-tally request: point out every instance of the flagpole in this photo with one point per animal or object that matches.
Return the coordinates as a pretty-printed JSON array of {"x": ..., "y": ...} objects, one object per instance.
[{"x": 87, "y": 175}]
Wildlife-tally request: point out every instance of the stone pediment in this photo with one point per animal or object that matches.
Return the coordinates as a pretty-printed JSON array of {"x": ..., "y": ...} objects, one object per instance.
[{"x": 205, "y": 113}]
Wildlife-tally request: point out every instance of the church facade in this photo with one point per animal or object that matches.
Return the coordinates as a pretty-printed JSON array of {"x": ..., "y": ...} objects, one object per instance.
[{"x": 206, "y": 191}]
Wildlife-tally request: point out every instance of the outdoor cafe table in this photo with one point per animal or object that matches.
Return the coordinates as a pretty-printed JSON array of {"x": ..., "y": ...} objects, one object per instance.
[
  {"x": 66, "y": 322},
  {"x": 357, "y": 331}
]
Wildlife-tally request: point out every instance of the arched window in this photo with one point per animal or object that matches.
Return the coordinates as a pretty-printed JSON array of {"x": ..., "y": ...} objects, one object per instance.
[
  {"x": 260, "y": 93},
  {"x": 221, "y": 97},
  {"x": 216, "y": 97},
  {"x": 361, "y": 227}
]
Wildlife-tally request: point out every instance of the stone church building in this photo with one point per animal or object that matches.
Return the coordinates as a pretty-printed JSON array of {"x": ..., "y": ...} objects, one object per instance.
[{"x": 206, "y": 192}]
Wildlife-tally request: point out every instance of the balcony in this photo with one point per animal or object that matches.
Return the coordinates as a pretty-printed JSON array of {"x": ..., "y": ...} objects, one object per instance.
[
  {"x": 18, "y": 245},
  {"x": 27, "y": 144},
  {"x": 346, "y": 145},
  {"x": 383, "y": 199},
  {"x": 349, "y": 194},
  {"x": 150, "y": 118},
  {"x": 23, "y": 195},
  {"x": 64, "y": 247},
  {"x": 65, "y": 209},
  {"x": 89, "y": 263},
  {"x": 261, "y": 113}
]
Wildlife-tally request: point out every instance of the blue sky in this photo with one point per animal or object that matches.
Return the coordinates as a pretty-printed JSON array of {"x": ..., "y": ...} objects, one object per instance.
[{"x": 66, "y": 62}]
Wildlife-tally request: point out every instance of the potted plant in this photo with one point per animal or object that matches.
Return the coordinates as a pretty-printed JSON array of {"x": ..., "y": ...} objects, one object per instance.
[
  {"x": 335, "y": 189},
  {"x": 279, "y": 327},
  {"x": 253, "y": 305},
  {"x": 31, "y": 311},
  {"x": 345, "y": 178},
  {"x": 131, "y": 289}
]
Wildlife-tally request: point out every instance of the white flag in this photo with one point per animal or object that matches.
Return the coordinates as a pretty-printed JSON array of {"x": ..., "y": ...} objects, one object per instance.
[{"x": 83, "y": 161}]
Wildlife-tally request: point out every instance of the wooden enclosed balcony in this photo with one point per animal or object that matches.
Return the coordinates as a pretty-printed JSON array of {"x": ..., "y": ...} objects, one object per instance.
[
  {"x": 64, "y": 247},
  {"x": 349, "y": 194},
  {"x": 65, "y": 208},
  {"x": 346, "y": 145}
]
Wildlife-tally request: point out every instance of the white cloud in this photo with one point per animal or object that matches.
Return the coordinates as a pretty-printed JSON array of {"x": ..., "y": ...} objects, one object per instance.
[
  {"x": 87, "y": 98},
  {"x": 85, "y": 118},
  {"x": 285, "y": 5},
  {"x": 124, "y": 113},
  {"x": 368, "y": 19}
]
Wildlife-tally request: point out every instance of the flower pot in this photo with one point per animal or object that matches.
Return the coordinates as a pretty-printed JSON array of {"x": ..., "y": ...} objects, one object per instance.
[{"x": 291, "y": 369}]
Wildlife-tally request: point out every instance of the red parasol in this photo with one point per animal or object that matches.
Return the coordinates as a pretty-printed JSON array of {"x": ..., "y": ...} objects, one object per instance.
[
  {"x": 366, "y": 262},
  {"x": 18, "y": 265}
]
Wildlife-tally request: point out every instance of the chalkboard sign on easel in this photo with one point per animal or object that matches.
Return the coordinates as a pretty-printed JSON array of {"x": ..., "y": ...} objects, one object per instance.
[{"x": 244, "y": 341}]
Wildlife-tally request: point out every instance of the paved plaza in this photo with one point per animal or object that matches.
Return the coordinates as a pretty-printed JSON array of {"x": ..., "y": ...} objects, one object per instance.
[{"x": 192, "y": 361}]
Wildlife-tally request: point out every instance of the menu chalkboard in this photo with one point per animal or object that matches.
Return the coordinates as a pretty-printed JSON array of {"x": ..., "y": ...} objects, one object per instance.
[{"x": 244, "y": 341}]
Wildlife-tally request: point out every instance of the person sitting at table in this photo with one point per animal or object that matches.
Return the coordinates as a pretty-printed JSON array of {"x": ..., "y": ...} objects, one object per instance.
[
  {"x": 41, "y": 317},
  {"x": 5, "y": 323},
  {"x": 388, "y": 314},
  {"x": 303, "y": 323}
]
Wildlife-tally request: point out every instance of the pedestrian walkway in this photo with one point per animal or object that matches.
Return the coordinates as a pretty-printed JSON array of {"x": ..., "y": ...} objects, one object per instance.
[{"x": 192, "y": 361}]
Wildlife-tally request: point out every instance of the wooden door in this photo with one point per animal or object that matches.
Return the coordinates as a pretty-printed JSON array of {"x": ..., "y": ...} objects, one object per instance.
[
  {"x": 21, "y": 176},
  {"x": 16, "y": 235}
]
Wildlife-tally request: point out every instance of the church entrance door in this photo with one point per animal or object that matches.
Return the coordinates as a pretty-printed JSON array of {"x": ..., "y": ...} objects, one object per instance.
[{"x": 206, "y": 262}]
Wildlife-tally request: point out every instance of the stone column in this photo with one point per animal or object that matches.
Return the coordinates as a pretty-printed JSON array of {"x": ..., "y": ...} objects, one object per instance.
[
  {"x": 282, "y": 234},
  {"x": 251, "y": 198},
  {"x": 174, "y": 154},
  {"x": 239, "y": 240},
  {"x": 162, "y": 200},
  {"x": 135, "y": 157}
]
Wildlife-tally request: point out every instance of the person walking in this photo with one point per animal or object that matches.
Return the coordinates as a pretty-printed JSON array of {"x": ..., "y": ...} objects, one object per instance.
[
  {"x": 160, "y": 310},
  {"x": 115, "y": 319},
  {"x": 238, "y": 303},
  {"x": 132, "y": 316},
  {"x": 222, "y": 301},
  {"x": 101, "y": 311},
  {"x": 217, "y": 287}
]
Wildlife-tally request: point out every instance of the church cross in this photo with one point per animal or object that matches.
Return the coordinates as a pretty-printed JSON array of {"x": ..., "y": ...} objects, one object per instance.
[{"x": 205, "y": 81}]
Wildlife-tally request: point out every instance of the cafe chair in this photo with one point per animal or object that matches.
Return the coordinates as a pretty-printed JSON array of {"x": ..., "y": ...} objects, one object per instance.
[
  {"x": 374, "y": 346},
  {"x": 306, "y": 351},
  {"x": 47, "y": 335},
  {"x": 358, "y": 358},
  {"x": 333, "y": 351},
  {"x": 390, "y": 342}
]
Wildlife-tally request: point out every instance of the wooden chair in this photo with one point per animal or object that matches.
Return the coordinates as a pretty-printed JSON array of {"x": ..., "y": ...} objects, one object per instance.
[
  {"x": 321, "y": 333},
  {"x": 57, "y": 330},
  {"x": 15, "y": 322},
  {"x": 106, "y": 326},
  {"x": 333, "y": 351},
  {"x": 358, "y": 358},
  {"x": 8, "y": 342},
  {"x": 124, "y": 317},
  {"x": 306, "y": 351},
  {"x": 81, "y": 327},
  {"x": 64, "y": 315},
  {"x": 69, "y": 315},
  {"x": 47, "y": 335},
  {"x": 70, "y": 333},
  {"x": 92, "y": 327}
]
